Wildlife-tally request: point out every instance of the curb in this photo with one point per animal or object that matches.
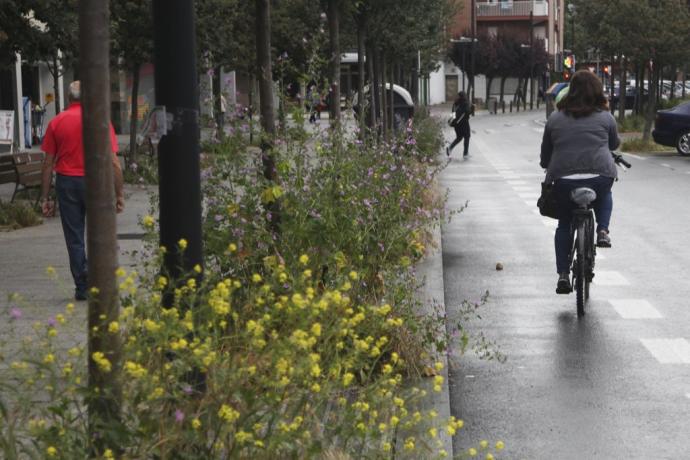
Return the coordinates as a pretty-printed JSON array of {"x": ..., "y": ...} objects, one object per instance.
[{"x": 430, "y": 270}]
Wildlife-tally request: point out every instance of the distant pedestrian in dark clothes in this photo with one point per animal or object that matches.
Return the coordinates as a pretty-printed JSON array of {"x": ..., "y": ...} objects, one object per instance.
[{"x": 461, "y": 124}]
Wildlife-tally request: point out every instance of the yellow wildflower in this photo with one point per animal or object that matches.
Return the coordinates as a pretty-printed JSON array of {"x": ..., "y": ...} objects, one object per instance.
[
  {"x": 51, "y": 451},
  {"x": 228, "y": 414},
  {"x": 304, "y": 259},
  {"x": 196, "y": 423},
  {"x": 101, "y": 361},
  {"x": 182, "y": 244},
  {"x": 49, "y": 358},
  {"x": 113, "y": 327}
]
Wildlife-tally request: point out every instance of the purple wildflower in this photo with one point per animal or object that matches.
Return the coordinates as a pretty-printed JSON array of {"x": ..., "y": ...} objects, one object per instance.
[
  {"x": 179, "y": 416},
  {"x": 15, "y": 313}
]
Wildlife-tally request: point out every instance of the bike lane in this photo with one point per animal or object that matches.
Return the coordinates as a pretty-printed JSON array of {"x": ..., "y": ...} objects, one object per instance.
[{"x": 611, "y": 385}]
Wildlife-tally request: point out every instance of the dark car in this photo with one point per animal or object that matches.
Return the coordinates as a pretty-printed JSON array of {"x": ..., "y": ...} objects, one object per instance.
[
  {"x": 630, "y": 95},
  {"x": 672, "y": 128}
]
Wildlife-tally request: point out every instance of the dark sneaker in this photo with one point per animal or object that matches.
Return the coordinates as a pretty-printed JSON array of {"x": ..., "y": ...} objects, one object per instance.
[
  {"x": 79, "y": 295},
  {"x": 563, "y": 286},
  {"x": 603, "y": 239},
  {"x": 447, "y": 151}
]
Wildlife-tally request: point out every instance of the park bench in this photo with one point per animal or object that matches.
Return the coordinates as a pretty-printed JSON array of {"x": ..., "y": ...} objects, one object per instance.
[{"x": 22, "y": 169}]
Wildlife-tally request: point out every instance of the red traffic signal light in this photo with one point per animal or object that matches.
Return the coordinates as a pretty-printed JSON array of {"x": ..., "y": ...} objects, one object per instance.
[
  {"x": 607, "y": 69},
  {"x": 566, "y": 75}
]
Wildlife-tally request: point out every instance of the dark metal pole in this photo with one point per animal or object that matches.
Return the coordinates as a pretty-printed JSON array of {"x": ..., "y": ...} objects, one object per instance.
[{"x": 176, "y": 88}]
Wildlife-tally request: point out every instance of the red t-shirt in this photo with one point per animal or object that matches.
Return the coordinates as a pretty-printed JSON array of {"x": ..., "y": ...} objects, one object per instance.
[{"x": 63, "y": 138}]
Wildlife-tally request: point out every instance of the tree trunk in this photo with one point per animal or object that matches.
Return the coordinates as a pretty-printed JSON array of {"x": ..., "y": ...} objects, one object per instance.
[
  {"x": 252, "y": 87},
  {"x": 360, "y": 71},
  {"x": 56, "y": 82},
  {"x": 503, "y": 87},
  {"x": 524, "y": 92},
  {"x": 265, "y": 76},
  {"x": 105, "y": 392},
  {"x": 216, "y": 90},
  {"x": 489, "y": 81},
  {"x": 638, "y": 90},
  {"x": 414, "y": 83},
  {"x": 672, "y": 95},
  {"x": 384, "y": 101},
  {"x": 391, "y": 105},
  {"x": 376, "y": 60},
  {"x": 622, "y": 99},
  {"x": 651, "y": 103},
  {"x": 134, "y": 117},
  {"x": 334, "y": 36},
  {"x": 373, "y": 87}
]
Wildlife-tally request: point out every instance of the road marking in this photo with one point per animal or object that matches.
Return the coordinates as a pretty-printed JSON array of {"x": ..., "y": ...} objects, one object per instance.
[
  {"x": 522, "y": 182},
  {"x": 665, "y": 165},
  {"x": 536, "y": 211},
  {"x": 524, "y": 188},
  {"x": 489, "y": 131},
  {"x": 687, "y": 395},
  {"x": 530, "y": 203},
  {"x": 638, "y": 157},
  {"x": 539, "y": 130},
  {"x": 635, "y": 309},
  {"x": 668, "y": 351},
  {"x": 610, "y": 278},
  {"x": 600, "y": 256}
]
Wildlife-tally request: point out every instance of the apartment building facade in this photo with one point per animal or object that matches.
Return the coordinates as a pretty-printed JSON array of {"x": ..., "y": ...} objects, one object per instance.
[{"x": 544, "y": 19}]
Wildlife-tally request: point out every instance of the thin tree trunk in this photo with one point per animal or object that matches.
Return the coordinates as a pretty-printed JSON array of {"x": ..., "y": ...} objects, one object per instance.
[
  {"x": 503, "y": 88},
  {"x": 651, "y": 103},
  {"x": 56, "y": 83},
  {"x": 216, "y": 90},
  {"x": 105, "y": 392},
  {"x": 391, "y": 105},
  {"x": 360, "y": 80},
  {"x": 252, "y": 86},
  {"x": 638, "y": 91},
  {"x": 623, "y": 93},
  {"x": 489, "y": 81},
  {"x": 373, "y": 88},
  {"x": 265, "y": 76},
  {"x": 384, "y": 102},
  {"x": 134, "y": 117},
  {"x": 414, "y": 83},
  {"x": 334, "y": 34},
  {"x": 376, "y": 94}
]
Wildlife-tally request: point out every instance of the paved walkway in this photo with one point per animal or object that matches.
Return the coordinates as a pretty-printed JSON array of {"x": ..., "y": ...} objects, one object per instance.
[{"x": 27, "y": 252}]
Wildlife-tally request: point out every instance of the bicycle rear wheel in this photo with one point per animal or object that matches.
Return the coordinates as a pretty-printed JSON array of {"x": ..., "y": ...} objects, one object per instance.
[{"x": 579, "y": 272}]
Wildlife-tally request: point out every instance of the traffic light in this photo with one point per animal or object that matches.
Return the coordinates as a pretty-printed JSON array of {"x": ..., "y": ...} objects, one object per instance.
[
  {"x": 607, "y": 70},
  {"x": 568, "y": 61},
  {"x": 566, "y": 75}
]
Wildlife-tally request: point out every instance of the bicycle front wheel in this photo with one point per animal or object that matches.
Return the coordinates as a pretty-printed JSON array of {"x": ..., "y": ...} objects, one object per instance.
[{"x": 579, "y": 272}]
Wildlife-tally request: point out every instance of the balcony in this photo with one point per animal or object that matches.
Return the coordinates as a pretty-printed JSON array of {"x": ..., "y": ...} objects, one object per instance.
[{"x": 508, "y": 9}]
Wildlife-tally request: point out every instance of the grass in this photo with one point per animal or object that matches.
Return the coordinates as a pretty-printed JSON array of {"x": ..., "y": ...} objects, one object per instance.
[
  {"x": 18, "y": 215},
  {"x": 639, "y": 145},
  {"x": 631, "y": 124}
]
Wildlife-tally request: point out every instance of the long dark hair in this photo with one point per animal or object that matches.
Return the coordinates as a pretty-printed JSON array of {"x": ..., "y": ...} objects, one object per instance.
[{"x": 585, "y": 96}]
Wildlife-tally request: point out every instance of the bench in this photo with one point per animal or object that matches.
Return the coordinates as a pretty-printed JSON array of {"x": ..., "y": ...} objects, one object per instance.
[{"x": 24, "y": 169}]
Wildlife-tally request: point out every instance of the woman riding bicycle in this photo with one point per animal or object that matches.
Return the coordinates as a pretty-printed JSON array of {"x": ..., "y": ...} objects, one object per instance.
[{"x": 576, "y": 152}]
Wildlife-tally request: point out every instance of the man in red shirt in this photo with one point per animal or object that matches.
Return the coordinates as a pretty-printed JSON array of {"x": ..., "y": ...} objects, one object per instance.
[{"x": 64, "y": 148}]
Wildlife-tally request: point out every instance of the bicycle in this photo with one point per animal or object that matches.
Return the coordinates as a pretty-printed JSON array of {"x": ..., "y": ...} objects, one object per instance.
[{"x": 584, "y": 249}]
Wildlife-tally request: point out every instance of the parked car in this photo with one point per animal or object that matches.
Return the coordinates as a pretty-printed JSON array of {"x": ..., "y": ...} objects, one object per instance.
[
  {"x": 672, "y": 128},
  {"x": 630, "y": 93}
]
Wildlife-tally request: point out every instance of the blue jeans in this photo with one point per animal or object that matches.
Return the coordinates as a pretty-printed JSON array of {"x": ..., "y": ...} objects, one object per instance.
[
  {"x": 603, "y": 206},
  {"x": 71, "y": 197}
]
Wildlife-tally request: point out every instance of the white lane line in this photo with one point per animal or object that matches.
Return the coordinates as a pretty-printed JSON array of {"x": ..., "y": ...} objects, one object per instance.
[
  {"x": 530, "y": 203},
  {"x": 687, "y": 395},
  {"x": 665, "y": 165},
  {"x": 635, "y": 309},
  {"x": 525, "y": 188},
  {"x": 668, "y": 351},
  {"x": 536, "y": 211},
  {"x": 609, "y": 278},
  {"x": 638, "y": 157},
  {"x": 600, "y": 256},
  {"x": 529, "y": 195},
  {"x": 518, "y": 182},
  {"x": 538, "y": 130}
]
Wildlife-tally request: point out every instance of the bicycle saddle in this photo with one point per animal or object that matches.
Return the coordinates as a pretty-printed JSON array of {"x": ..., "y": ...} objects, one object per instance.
[{"x": 583, "y": 196}]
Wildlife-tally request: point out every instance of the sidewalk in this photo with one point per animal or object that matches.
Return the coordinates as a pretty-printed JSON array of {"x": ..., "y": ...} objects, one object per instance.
[{"x": 27, "y": 252}]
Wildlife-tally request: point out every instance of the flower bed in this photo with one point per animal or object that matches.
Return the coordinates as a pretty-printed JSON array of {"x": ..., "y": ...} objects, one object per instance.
[{"x": 298, "y": 341}]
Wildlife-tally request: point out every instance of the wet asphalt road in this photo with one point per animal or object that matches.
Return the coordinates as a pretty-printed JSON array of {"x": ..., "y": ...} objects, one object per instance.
[{"x": 613, "y": 385}]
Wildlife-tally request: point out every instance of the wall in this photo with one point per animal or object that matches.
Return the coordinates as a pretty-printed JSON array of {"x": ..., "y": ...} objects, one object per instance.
[{"x": 437, "y": 86}]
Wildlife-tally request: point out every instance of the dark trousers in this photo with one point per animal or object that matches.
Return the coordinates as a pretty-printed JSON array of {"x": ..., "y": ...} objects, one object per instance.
[
  {"x": 71, "y": 197},
  {"x": 461, "y": 132},
  {"x": 603, "y": 206}
]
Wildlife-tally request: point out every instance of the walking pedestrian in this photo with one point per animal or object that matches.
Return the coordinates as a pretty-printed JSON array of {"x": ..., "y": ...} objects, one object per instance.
[
  {"x": 64, "y": 148},
  {"x": 461, "y": 124}
]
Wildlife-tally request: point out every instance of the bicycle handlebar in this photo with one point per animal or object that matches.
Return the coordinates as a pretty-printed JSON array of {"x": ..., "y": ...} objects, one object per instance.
[{"x": 619, "y": 160}]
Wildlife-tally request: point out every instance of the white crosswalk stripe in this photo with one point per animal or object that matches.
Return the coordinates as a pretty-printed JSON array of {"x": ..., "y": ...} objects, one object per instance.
[
  {"x": 635, "y": 309},
  {"x": 609, "y": 278},
  {"x": 668, "y": 351}
]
